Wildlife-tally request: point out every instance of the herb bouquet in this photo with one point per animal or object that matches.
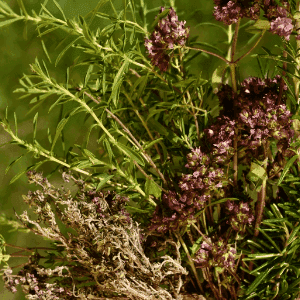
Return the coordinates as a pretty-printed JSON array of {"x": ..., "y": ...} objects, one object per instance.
[{"x": 180, "y": 204}]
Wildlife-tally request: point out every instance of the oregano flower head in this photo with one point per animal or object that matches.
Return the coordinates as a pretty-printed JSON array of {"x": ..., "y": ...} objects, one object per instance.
[
  {"x": 281, "y": 22},
  {"x": 205, "y": 181},
  {"x": 261, "y": 118},
  {"x": 215, "y": 254},
  {"x": 168, "y": 33},
  {"x": 229, "y": 12},
  {"x": 240, "y": 215},
  {"x": 280, "y": 19}
]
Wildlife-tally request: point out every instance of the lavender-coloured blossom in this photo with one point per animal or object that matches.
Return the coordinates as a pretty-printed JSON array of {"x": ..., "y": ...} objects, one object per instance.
[
  {"x": 273, "y": 10},
  {"x": 220, "y": 135},
  {"x": 280, "y": 18},
  {"x": 205, "y": 181},
  {"x": 215, "y": 254},
  {"x": 282, "y": 27},
  {"x": 168, "y": 33},
  {"x": 260, "y": 117},
  {"x": 240, "y": 215},
  {"x": 253, "y": 11},
  {"x": 172, "y": 212},
  {"x": 229, "y": 12}
]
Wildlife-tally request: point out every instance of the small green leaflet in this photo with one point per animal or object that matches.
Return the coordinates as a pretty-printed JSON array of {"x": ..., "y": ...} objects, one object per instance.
[
  {"x": 216, "y": 79},
  {"x": 115, "y": 90},
  {"x": 259, "y": 26},
  {"x": 151, "y": 188},
  {"x": 103, "y": 181},
  {"x": 130, "y": 153},
  {"x": 159, "y": 17},
  {"x": 286, "y": 168},
  {"x": 257, "y": 172},
  {"x": 8, "y": 22},
  {"x": 258, "y": 280}
]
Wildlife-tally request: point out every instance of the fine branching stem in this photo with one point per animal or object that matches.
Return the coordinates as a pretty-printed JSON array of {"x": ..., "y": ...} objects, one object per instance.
[
  {"x": 252, "y": 48},
  {"x": 146, "y": 156},
  {"x": 208, "y": 52}
]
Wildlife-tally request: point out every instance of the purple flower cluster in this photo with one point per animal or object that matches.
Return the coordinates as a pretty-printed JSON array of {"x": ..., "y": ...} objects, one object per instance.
[
  {"x": 197, "y": 188},
  {"x": 240, "y": 215},
  {"x": 229, "y": 12},
  {"x": 281, "y": 20},
  {"x": 220, "y": 135},
  {"x": 217, "y": 254},
  {"x": 33, "y": 285},
  {"x": 259, "y": 120},
  {"x": 168, "y": 32}
]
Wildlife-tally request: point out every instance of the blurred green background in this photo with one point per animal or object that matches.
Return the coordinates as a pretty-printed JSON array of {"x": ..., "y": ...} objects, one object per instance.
[{"x": 16, "y": 54}]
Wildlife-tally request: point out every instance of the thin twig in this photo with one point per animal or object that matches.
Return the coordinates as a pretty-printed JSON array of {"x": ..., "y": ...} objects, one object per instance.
[
  {"x": 252, "y": 48},
  {"x": 146, "y": 156}
]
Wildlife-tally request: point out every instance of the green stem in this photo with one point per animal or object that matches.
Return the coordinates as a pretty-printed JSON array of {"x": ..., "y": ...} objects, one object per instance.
[
  {"x": 261, "y": 201},
  {"x": 146, "y": 156},
  {"x": 21, "y": 4},
  {"x": 191, "y": 263},
  {"x": 188, "y": 94},
  {"x": 140, "y": 117},
  {"x": 208, "y": 277},
  {"x": 234, "y": 87},
  {"x": 50, "y": 157},
  {"x": 113, "y": 141}
]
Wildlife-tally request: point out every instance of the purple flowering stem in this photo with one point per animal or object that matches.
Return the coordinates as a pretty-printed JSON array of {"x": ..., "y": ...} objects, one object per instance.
[
  {"x": 296, "y": 80},
  {"x": 261, "y": 201}
]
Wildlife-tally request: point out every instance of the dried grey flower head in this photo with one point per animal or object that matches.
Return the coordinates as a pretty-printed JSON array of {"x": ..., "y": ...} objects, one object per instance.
[{"x": 103, "y": 247}]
